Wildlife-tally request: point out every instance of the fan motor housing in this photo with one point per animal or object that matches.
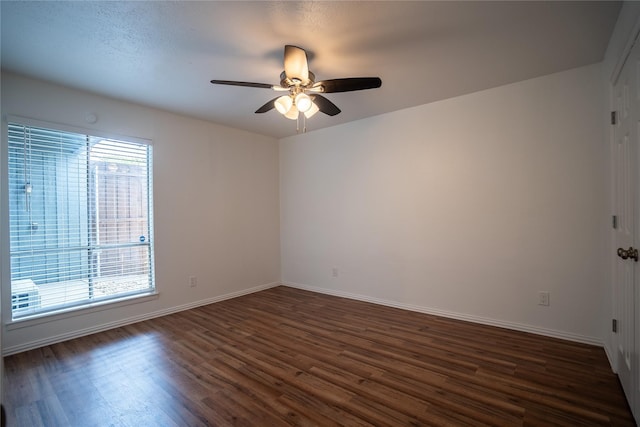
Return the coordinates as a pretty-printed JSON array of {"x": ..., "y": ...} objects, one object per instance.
[{"x": 289, "y": 83}]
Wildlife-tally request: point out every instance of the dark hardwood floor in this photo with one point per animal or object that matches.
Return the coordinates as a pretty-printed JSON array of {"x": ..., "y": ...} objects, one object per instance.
[{"x": 290, "y": 357}]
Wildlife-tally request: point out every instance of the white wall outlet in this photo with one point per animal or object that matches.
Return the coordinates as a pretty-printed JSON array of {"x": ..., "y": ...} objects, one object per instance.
[
  {"x": 543, "y": 298},
  {"x": 193, "y": 281},
  {"x": 335, "y": 272}
]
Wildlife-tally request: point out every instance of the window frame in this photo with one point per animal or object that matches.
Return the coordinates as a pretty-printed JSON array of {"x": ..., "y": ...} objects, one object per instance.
[{"x": 5, "y": 230}]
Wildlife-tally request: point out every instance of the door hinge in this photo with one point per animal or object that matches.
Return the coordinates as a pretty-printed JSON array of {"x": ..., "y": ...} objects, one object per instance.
[
  {"x": 614, "y": 221},
  {"x": 614, "y": 325},
  {"x": 614, "y": 117}
]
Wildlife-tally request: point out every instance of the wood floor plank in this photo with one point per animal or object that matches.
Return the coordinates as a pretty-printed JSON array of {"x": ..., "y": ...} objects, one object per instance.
[{"x": 287, "y": 357}]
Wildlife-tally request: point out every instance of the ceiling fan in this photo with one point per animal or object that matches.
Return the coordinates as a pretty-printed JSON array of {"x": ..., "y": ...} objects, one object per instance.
[{"x": 303, "y": 91}]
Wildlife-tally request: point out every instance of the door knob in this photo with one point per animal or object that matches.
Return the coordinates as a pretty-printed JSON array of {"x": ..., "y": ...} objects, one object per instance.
[{"x": 628, "y": 253}]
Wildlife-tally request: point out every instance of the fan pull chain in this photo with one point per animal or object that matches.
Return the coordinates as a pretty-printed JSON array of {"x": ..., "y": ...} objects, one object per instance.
[{"x": 304, "y": 123}]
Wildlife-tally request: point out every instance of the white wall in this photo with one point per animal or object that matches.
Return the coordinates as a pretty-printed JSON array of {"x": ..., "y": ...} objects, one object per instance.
[
  {"x": 466, "y": 207},
  {"x": 216, "y": 205}
]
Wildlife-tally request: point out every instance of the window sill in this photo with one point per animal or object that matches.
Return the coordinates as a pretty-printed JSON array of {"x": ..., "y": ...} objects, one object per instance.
[{"x": 51, "y": 316}]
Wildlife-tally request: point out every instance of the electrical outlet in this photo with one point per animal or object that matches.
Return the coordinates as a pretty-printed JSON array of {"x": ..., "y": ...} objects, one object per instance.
[
  {"x": 335, "y": 272},
  {"x": 193, "y": 281},
  {"x": 543, "y": 298}
]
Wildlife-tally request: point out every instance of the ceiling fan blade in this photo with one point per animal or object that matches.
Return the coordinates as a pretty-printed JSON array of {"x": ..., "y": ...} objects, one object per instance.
[
  {"x": 270, "y": 105},
  {"x": 246, "y": 84},
  {"x": 295, "y": 64},
  {"x": 349, "y": 84},
  {"x": 325, "y": 105}
]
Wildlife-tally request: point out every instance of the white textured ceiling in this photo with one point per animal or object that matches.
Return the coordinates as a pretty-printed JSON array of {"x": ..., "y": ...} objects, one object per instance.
[{"x": 163, "y": 54}]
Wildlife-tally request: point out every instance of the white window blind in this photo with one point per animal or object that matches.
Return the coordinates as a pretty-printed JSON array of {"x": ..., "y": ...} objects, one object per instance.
[{"x": 81, "y": 225}]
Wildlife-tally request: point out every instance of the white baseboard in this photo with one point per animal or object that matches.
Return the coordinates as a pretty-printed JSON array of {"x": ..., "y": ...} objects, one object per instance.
[
  {"x": 610, "y": 356},
  {"x": 7, "y": 351},
  {"x": 459, "y": 316},
  {"x": 129, "y": 320}
]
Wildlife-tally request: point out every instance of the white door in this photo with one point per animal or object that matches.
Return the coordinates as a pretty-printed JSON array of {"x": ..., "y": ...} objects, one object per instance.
[{"x": 627, "y": 233}]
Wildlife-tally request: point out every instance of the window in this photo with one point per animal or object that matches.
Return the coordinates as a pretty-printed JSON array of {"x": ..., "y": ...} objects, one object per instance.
[{"x": 81, "y": 224}]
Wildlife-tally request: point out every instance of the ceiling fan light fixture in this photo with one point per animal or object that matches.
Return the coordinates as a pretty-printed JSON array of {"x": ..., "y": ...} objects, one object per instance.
[
  {"x": 303, "y": 102},
  {"x": 292, "y": 114},
  {"x": 304, "y": 92},
  {"x": 284, "y": 104},
  {"x": 311, "y": 111}
]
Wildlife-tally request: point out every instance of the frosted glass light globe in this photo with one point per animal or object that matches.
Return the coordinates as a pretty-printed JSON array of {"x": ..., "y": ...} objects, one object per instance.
[
  {"x": 283, "y": 104},
  {"x": 292, "y": 113},
  {"x": 303, "y": 102}
]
